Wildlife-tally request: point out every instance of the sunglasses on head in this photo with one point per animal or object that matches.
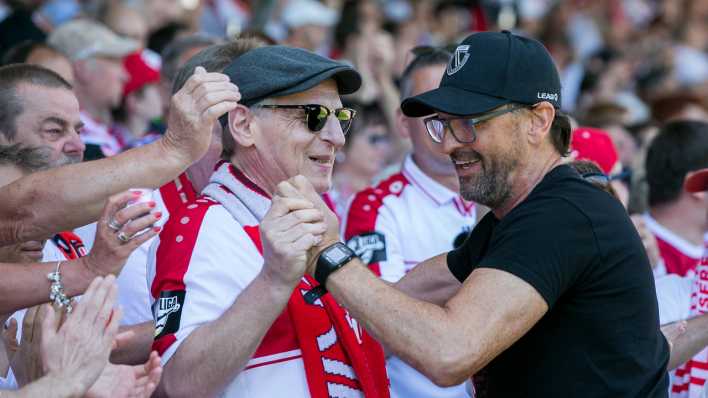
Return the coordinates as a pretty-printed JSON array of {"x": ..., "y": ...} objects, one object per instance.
[{"x": 316, "y": 115}]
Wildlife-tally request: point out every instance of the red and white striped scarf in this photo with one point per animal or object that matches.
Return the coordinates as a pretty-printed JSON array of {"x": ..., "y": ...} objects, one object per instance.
[
  {"x": 690, "y": 378},
  {"x": 341, "y": 359}
]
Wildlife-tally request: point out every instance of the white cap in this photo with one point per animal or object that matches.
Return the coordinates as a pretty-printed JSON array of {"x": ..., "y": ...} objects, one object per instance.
[
  {"x": 82, "y": 38},
  {"x": 308, "y": 12}
]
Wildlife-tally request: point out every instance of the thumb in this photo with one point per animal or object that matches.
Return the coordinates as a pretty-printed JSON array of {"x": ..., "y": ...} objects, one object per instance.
[
  {"x": 199, "y": 70},
  {"x": 305, "y": 187}
]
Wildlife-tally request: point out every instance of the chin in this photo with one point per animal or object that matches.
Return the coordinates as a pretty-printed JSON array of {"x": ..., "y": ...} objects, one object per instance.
[{"x": 321, "y": 184}]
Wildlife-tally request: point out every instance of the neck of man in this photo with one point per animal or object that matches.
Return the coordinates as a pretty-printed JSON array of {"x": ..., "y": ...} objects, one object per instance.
[
  {"x": 253, "y": 167},
  {"x": 524, "y": 180},
  {"x": 684, "y": 217},
  {"x": 448, "y": 179}
]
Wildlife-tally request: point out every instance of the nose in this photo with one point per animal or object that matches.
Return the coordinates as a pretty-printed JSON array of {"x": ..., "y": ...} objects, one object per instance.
[
  {"x": 74, "y": 146},
  {"x": 332, "y": 133},
  {"x": 449, "y": 142}
]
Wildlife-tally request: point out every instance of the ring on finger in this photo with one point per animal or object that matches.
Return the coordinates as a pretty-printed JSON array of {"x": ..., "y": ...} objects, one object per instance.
[
  {"x": 113, "y": 224},
  {"x": 123, "y": 237}
]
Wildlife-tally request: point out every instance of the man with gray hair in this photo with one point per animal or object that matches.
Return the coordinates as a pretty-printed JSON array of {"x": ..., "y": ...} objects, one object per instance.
[
  {"x": 218, "y": 293},
  {"x": 97, "y": 56}
]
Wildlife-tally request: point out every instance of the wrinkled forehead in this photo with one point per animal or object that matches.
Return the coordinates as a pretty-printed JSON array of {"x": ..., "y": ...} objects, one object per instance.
[
  {"x": 325, "y": 93},
  {"x": 49, "y": 102}
]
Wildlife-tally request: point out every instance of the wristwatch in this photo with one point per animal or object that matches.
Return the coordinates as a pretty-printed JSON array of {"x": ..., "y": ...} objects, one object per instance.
[{"x": 331, "y": 259}]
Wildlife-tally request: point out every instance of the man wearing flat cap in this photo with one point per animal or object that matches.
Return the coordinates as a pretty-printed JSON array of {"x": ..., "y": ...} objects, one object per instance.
[
  {"x": 233, "y": 316},
  {"x": 552, "y": 292}
]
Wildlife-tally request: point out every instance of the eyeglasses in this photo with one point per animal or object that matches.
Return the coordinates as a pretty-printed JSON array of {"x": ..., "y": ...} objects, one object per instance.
[
  {"x": 316, "y": 115},
  {"x": 463, "y": 128}
]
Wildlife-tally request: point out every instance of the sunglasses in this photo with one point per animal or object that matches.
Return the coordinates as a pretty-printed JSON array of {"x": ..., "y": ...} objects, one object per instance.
[
  {"x": 316, "y": 115},
  {"x": 463, "y": 128}
]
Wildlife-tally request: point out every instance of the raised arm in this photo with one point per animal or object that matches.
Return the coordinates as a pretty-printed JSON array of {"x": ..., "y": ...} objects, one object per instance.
[
  {"x": 448, "y": 343},
  {"x": 32, "y": 208}
]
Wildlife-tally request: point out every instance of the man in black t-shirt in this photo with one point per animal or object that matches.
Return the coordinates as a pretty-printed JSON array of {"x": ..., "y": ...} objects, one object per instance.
[{"x": 552, "y": 293}]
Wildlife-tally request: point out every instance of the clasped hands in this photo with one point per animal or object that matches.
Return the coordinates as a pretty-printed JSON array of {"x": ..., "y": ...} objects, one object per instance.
[{"x": 298, "y": 226}]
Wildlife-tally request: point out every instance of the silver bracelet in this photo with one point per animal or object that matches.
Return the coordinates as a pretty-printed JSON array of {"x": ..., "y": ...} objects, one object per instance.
[{"x": 56, "y": 290}]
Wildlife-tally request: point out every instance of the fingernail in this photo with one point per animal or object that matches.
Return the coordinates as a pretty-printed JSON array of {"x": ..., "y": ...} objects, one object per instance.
[
  {"x": 135, "y": 193},
  {"x": 158, "y": 214},
  {"x": 151, "y": 204},
  {"x": 156, "y": 229}
]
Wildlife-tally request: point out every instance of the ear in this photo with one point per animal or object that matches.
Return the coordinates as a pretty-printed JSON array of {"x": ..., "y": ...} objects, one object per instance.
[
  {"x": 402, "y": 127},
  {"x": 242, "y": 126},
  {"x": 541, "y": 120}
]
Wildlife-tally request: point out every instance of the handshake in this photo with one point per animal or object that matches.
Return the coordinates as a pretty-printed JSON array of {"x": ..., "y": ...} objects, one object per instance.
[{"x": 296, "y": 229}]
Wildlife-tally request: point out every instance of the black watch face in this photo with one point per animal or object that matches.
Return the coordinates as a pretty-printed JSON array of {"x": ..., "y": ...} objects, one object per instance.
[{"x": 336, "y": 255}]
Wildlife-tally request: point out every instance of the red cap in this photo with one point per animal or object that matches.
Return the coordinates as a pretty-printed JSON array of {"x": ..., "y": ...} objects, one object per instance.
[
  {"x": 143, "y": 68},
  {"x": 589, "y": 143},
  {"x": 697, "y": 181}
]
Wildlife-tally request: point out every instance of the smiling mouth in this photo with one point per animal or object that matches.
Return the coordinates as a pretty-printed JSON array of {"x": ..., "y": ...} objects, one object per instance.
[
  {"x": 323, "y": 160},
  {"x": 464, "y": 164}
]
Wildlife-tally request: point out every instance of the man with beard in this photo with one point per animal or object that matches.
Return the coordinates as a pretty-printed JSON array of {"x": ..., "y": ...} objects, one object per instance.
[
  {"x": 37, "y": 115},
  {"x": 384, "y": 223},
  {"x": 554, "y": 293}
]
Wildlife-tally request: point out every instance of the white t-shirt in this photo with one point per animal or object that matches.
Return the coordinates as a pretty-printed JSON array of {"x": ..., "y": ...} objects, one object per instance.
[
  {"x": 133, "y": 288},
  {"x": 673, "y": 293},
  {"x": 404, "y": 220}
]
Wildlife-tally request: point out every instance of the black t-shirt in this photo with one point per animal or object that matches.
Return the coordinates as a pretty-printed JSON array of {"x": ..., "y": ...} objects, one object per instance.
[{"x": 575, "y": 244}]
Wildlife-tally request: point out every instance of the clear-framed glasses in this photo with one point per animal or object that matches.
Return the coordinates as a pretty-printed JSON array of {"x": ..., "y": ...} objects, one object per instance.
[
  {"x": 463, "y": 128},
  {"x": 316, "y": 115}
]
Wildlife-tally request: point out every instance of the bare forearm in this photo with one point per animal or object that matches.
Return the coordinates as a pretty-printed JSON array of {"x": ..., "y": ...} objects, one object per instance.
[
  {"x": 26, "y": 285},
  {"x": 430, "y": 281},
  {"x": 137, "y": 350},
  {"x": 33, "y": 208},
  {"x": 401, "y": 323},
  {"x": 226, "y": 342},
  {"x": 690, "y": 343}
]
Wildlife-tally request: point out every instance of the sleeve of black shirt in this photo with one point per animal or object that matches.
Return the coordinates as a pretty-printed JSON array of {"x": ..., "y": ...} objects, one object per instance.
[{"x": 547, "y": 243}]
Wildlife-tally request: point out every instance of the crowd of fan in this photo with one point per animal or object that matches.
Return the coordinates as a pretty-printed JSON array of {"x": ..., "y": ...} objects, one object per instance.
[{"x": 634, "y": 79}]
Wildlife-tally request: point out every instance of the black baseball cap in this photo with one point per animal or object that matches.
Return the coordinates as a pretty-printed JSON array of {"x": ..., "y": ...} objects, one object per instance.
[
  {"x": 276, "y": 71},
  {"x": 487, "y": 70}
]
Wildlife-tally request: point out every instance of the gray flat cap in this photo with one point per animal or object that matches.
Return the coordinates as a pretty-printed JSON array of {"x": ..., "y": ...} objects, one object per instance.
[{"x": 276, "y": 71}]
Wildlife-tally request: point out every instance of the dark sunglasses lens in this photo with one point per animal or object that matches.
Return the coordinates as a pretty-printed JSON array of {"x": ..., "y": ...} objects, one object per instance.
[
  {"x": 345, "y": 117},
  {"x": 316, "y": 117}
]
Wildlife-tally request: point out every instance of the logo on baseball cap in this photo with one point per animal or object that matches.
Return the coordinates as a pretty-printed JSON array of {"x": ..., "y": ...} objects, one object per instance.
[{"x": 487, "y": 70}]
